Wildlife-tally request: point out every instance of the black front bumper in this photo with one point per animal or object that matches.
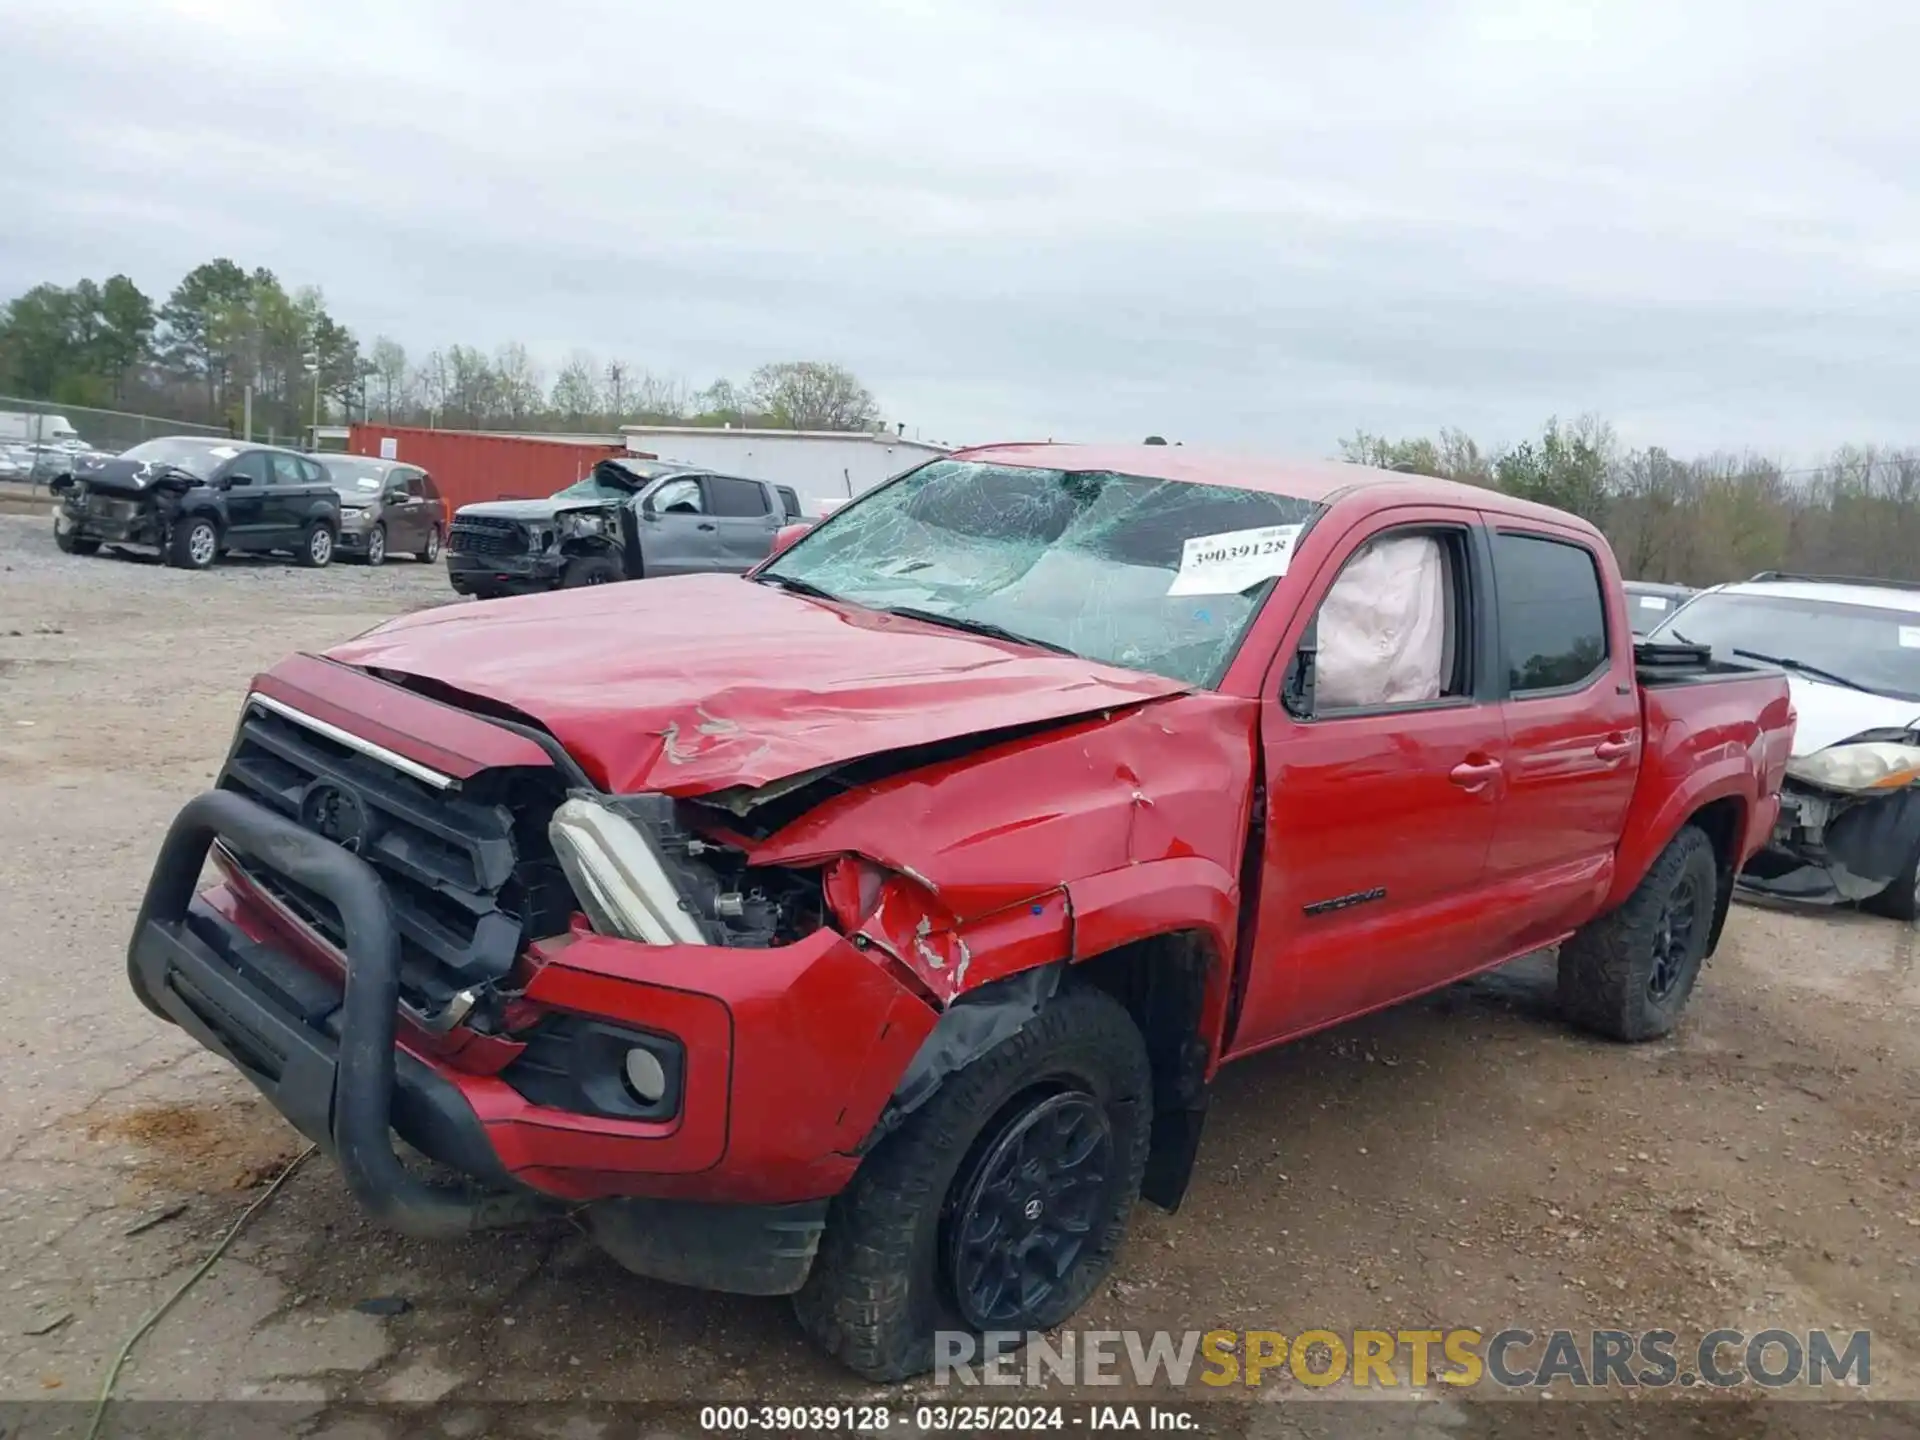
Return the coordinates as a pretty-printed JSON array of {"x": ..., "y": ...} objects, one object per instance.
[
  {"x": 504, "y": 571},
  {"x": 325, "y": 1058}
]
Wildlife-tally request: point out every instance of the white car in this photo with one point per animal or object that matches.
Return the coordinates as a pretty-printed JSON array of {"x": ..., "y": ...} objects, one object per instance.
[{"x": 1849, "y": 825}]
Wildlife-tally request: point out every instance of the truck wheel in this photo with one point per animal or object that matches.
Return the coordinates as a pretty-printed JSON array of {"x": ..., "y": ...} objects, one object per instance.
[
  {"x": 1628, "y": 975},
  {"x": 316, "y": 549},
  {"x": 1901, "y": 899},
  {"x": 999, "y": 1204},
  {"x": 377, "y": 545},
  {"x": 432, "y": 551},
  {"x": 592, "y": 570},
  {"x": 70, "y": 544},
  {"x": 194, "y": 544}
]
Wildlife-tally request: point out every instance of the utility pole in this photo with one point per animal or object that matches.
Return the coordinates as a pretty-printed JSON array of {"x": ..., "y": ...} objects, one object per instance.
[
  {"x": 313, "y": 440},
  {"x": 247, "y": 412}
]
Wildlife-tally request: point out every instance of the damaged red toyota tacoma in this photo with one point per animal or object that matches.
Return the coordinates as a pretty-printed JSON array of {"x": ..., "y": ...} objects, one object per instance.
[{"x": 871, "y": 927}]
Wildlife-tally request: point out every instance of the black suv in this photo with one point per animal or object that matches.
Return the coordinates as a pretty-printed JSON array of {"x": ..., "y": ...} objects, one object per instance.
[{"x": 194, "y": 499}]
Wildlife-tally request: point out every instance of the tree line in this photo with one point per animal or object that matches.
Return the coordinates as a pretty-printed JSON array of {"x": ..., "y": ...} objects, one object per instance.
[
  {"x": 224, "y": 329},
  {"x": 1699, "y": 521}
]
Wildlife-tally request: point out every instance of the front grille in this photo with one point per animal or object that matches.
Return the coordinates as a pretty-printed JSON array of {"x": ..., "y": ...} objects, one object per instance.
[
  {"x": 101, "y": 508},
  {"x": 468, "y": 872},
  {"x": 483, "y": 535}
]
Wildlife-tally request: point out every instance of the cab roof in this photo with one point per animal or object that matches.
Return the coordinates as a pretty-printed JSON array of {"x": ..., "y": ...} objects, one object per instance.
[{"x": 1318, "y": 481}]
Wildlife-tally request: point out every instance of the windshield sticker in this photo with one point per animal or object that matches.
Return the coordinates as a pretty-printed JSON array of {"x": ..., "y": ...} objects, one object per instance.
[
  {"x": 1910, "y": 637},
  {"x": 368, "y": 482},
  {"x": 1653, "y": 602},
  {"x": 223, "y": 452},
  {"x": 1236, "y": 560}
]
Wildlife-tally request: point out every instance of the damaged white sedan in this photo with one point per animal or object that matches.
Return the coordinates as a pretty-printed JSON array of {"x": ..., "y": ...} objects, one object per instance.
[{"x": 1849, "y": 828}]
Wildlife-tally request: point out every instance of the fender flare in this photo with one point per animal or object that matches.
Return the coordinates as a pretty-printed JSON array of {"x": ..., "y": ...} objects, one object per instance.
[{"x": 1727, "y": 779}]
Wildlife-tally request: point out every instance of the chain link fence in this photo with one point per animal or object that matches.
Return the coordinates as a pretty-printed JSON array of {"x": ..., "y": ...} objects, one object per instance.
[{"x": 39, "y": 440}]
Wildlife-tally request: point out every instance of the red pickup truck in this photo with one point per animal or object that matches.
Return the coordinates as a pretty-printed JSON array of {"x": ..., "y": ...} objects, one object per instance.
[{"x": 870, "y": 928}]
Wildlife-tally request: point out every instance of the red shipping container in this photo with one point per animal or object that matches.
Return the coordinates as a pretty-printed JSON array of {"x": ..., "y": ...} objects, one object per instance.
[{"x": 469, "y": 466}]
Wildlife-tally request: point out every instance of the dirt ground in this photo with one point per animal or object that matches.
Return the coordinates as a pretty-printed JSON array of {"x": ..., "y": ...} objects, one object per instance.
[{"x": 1465, "y": 1161}]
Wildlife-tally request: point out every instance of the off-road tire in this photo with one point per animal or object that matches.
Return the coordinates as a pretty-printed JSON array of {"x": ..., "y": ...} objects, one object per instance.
[
  {"x": 67, "y": 543},
  {"x": 878, "y": 1289},
  {"x": 1606, "y": 970},
  {"x": 431, "y": 552},
  {"x": 1901, "y": 899},
  {"x": 376, "y": 545},
  {"x": 308, "y": 553},
  {"x": 592, "y": 570},
  {"x": 181, "y": 546}
]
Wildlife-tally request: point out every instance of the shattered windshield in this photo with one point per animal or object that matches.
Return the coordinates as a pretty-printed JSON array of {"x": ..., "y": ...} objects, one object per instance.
[
  {"x": 1154, "y": 575},
  {"x": 601, "y": 484},
  {"x": 199, "y": 458}
]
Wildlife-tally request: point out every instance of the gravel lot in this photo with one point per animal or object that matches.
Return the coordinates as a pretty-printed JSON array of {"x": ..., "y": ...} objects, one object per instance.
[{"x": 1463, "y": 1161}]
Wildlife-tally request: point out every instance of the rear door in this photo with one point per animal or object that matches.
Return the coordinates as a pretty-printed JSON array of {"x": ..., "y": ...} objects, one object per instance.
[
  {"x": 287, "y": 495},
  {"x": 1382, "y": 779},
  {"x": 677, "y": 534},
  {"x": 1572, "y": 710},
  {"x": 747, "y": 517},
  {"x": 249, "y": 479}
]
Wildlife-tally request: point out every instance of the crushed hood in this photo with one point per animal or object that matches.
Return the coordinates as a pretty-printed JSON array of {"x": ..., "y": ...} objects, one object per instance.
[
  {"x": 700, "y": 683},
  {"x": 531, "y": 511},
  {"x": 1830, "y": 714},
  {"x": 133, "y": 477}
]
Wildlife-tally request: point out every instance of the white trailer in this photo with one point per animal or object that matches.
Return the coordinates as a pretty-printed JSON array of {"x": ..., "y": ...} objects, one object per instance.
[{"x": 822, "y": 465}]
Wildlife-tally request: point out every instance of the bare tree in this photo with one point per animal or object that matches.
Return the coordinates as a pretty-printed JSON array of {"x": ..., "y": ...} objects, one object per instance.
[
  {"x": 390, "y": 377},
  {"x": 813, "y": 395},
  {"x": 576, "y": 389}
]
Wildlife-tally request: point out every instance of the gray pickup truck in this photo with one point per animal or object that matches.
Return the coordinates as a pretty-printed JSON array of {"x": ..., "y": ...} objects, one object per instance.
[{"x": 629, "y": 518}]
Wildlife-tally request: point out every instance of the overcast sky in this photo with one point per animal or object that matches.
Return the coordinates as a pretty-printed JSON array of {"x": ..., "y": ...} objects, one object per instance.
[{"x": 1248, "y": 222}]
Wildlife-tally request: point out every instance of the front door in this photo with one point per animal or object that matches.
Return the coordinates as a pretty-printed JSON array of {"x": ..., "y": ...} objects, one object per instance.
[
  {"x": 248, "y": 480},
  {"x": 678, "y": 533},
  {"x": 1573, "y": 729},
  {"x": 1383, "y": 780}
]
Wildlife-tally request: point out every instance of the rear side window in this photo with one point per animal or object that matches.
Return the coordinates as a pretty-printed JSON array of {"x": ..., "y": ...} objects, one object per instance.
[
  {"x": 311, "y": 473},
  {"x": 736, "y": 497},
  {"x": 286, "y": 469},
  {"x": 790, "y": 501},
  {"x": 1553, "y": 620}
]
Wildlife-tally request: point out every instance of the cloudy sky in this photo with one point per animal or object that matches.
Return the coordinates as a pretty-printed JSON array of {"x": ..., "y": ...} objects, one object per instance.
[{"x": 1248, "y": 222}]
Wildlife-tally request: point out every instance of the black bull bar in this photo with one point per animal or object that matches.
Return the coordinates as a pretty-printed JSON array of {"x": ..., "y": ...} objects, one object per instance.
[{"x": 327, "y": 1062}]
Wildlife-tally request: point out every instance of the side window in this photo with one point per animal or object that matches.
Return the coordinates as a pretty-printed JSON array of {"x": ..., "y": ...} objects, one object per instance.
[
  {"x": 311, "y": 473},
  {"x": 252, "y": 467},
  {"x": 420, "y": 486},
  {"x": 737, "y": 497},
  {"x": 1553, "y": 621},
  {"x": 790, "y": 501},
  {"x": 1392, "y": 629},
  {"x": 679, "y": 497},
  {"x": 286, "y": 469}
]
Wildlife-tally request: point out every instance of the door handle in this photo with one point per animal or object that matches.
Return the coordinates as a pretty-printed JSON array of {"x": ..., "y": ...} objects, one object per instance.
[
  {"x": 1473, "y": 774},
  {"x": 1613, "y": 748},
  {"x": 706, "y": 525}
]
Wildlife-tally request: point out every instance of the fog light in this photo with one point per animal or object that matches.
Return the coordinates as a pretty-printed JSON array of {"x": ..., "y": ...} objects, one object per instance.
[{"x": 646, "y": 1076}]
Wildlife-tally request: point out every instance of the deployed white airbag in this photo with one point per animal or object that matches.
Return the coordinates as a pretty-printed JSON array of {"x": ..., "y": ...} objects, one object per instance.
[{"x": 1383, "y": 627}]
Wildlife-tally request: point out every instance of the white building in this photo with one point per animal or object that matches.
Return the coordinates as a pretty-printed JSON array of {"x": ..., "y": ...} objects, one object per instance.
[{"x": 820, "y": 464}]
